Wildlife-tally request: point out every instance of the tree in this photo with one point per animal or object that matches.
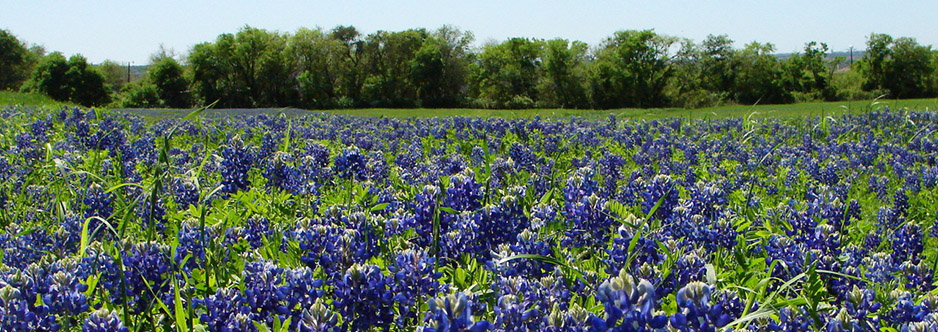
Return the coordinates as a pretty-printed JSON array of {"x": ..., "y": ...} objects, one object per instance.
[
  {"x": 506, "y": 73},
  {"x": 760, "y": 76},
  {"x": 140, "y": 93},
  {"x": 350, "y": 76},
  {"x": 252, "y": 68},
  {"x": 718, "y": 61},
  {"x": 387, "y": 64},
  {"x": 912, "y": 71},
  {"x": 686, "y": 86},
  {"x": 208, "y": 76},
  {"x": 874, "y": 64},
  {"x": 809, "y": 74},
  {"x": 440, "y": 68},
  {"x": 316, "y": 55},
  {"x": 632, "y": 69},
  {"x": 16, "y": 61},
  {"x": 49, "y": 77},
  {"x": 171, "y": 86},
  {"x": 115, "y": 75},
  {"x": 563, "y": 74},
  {"x": 73, "y": 80},
  {"x": 900, "y": 66},
  {"x": 86, "y": 85}
]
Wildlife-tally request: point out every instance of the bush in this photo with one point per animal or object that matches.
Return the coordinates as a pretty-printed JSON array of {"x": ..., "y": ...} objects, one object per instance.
[{"x": 73, "y": 80}]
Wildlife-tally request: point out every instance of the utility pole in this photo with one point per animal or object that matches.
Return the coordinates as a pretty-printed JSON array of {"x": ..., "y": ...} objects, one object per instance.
[
  {"x": 851, "y": 56},
  {"x": 128, "y": 71}
]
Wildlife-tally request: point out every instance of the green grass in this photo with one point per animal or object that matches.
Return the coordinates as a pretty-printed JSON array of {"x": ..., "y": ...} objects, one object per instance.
[
  {"x": 756, "y": 111},
  {"x": 812, "y": 109},
  {"x": 28, "y": 99}
]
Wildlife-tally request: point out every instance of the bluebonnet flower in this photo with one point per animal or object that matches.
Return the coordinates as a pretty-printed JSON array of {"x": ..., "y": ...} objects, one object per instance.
[
  {"x": 350, "y": 164},
  {"x": 65, "y": 294},
  {"x": 645, "y": 251},
  {"x": 152, "y": 212},
  {"x": 514, "y": 313},
  {"x": 103, "y": 320},
  {"x": 414, "y": 278},
  {"x": 235, "y": 165},
  {"x": 695, "y": 312},
  {"x": 501, "y": 223},
  {"x": 27, "y": 147},
  {"x": 907, "y": 244},
  {"x": 185, "y": 193},
  {"x": 527, "y": 242},
  {"x": 226, "y": 310},
  {"x": 463, "y": 193},
  {"x": 707, "y": 199},
  {"x": 40, "y": 128},
  {"x": 462, "y": 237},
  {"x": 318, "y": 318},
  {"x": 610, "y": 168},
  {"x": 687, "y": 268},
  {"x": 628, "y": 303},
  {"x": 523, "y": 156},
  {"x": 575, "y": 319},
  {"x": 145, "y": 272},
  {"x": 860, "y": 305},
  {"x": 452, "y": 313},
  {"x": 15, "y": 313},
  {"x": 905, "y": 310},
  {"x": 97, "y": 202},
  {"x": 271, "y": 291},
  {"x": 919, "y": 277},
  {"x": 660, "y": 188},
  {"x": 21, "y": 247},
  {"x": 789, "y": 254},
  {"x": 364, "y": 298},
  {"x": 591, "y": 224}
]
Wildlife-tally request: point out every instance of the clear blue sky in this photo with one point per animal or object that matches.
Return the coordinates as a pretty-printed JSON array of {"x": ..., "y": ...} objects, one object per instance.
[{"x": 131, "y": 30}]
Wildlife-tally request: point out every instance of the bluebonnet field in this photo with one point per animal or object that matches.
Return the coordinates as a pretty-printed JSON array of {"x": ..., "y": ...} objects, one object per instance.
[{"x": 334, "y": 223}]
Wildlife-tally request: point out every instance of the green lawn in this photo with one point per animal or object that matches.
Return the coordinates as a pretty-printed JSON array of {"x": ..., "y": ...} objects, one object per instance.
[
  {"x": 812, "y": 109},
  {"x": 28, "y": 99},
  {"x": 757, "y": 111}
]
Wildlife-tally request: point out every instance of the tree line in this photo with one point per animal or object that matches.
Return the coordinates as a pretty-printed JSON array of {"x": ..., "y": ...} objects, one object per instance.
[{"x": 342, "y": 68}]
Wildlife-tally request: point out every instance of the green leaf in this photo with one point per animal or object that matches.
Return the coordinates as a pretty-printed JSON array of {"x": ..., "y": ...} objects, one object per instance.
[
  {"x": 546, "y": 197},
  {"x": 448, "y": 210},
  {"x": 181, "y": 321},
  {"x": 378, "y": 207},
  {"x": 657, "y": 205},
  {"x": 198, "y": 111}
]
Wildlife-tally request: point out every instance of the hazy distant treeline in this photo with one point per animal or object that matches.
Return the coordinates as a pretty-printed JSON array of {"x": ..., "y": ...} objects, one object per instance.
[{"x": 342, "y": 68}]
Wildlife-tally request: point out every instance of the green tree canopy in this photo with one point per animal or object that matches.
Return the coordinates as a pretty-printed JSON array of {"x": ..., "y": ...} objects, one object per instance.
[
  {"x": 563, "y": 74},
  {"x": 760, "y": 76},
  {"x": 16, "y": 61},
  {"x": 506, "y": 74},
  {"x": 632, "y": 69},
  {"x": 72, "y": 80}
]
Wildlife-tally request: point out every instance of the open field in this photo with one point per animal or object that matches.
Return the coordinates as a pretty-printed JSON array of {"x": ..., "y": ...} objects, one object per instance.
[
  {"x": 28, "y": 99},
  {"x": 717, "y": 112},
  {"x": 793, "y": 222},
  {"x": 812, "y": 109}
]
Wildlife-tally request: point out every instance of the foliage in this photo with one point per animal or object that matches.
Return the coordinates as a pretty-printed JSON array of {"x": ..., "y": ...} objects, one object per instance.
[
  {"x": 761, "y": 78},
  {"x": 344, "y": 68},
  {"x": 16, "y": 61},
  {"x": 900, "y": 66},
  {"x": 72, "y": 80},
  {"x": 337, "y": 223},
  {"x": 632, "y": 69},
  {"x": 115, "y": 75}
]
